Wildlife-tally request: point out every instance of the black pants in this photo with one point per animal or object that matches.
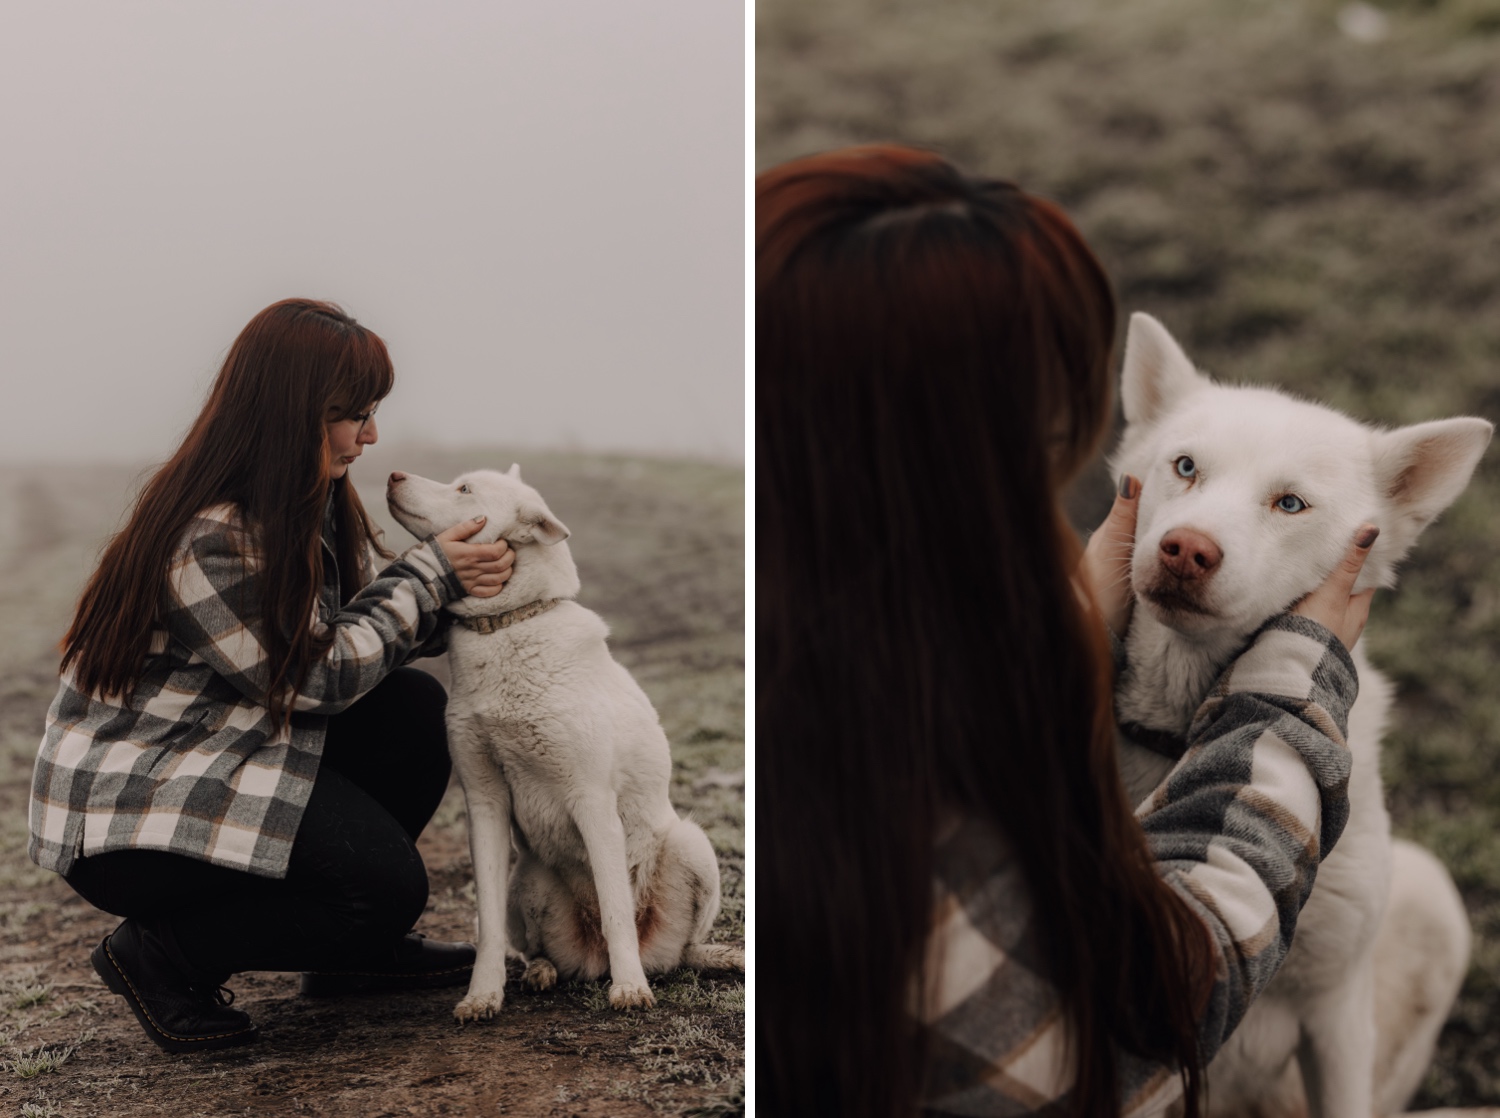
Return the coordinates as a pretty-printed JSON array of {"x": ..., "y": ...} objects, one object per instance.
[{"x": 355, "y": 883}]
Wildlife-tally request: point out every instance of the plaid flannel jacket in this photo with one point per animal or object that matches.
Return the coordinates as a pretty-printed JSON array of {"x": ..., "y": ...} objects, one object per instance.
[
  {"x": 1237, "y": 829},
  {"x": 194, "y": 762}
]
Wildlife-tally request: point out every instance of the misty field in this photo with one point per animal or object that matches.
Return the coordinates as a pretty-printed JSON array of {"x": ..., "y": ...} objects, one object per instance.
[
  {"x": 660, "y": 550},
  {"x": 1301, "y": 208}
]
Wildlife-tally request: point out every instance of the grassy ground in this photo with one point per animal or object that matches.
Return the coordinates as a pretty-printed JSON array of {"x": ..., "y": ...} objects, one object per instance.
[
  {"x": 660, "y": 550},
  {"x": 1300, "y": 208}
]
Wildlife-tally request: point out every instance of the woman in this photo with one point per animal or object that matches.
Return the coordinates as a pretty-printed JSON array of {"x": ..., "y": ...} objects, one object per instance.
[
  {"x": 235, "y": 761},
  {"x": 962, "y": 914}
]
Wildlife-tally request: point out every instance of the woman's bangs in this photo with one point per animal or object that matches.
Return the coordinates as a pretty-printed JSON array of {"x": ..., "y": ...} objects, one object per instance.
[{"x": 366, "y": 375}]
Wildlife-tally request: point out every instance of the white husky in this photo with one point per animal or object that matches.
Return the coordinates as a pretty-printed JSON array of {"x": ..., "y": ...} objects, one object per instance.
[
  {"x": 559, "y": 748},
  {"x": 1249, "y": 499}
]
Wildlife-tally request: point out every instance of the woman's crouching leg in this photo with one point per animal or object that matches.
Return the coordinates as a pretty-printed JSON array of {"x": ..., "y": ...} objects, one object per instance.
[{"x": 354, "y": 887}]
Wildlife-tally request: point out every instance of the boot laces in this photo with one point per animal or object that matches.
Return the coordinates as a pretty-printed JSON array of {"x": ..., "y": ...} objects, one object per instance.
[{"x": 222, "y": 995}]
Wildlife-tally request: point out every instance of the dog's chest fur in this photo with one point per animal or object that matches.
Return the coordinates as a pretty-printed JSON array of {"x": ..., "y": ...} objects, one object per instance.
[
  {"x": 547, "y": 701},
  {"x": 1167, "y": 676}
]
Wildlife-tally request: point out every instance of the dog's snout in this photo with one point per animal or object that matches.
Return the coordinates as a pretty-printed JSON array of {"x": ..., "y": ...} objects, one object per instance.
[
  {"x": 396, "y": 475},
  {"x": 1188, "y": 553}
]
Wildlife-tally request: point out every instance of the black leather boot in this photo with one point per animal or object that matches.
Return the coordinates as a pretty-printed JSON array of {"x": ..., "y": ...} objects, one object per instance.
[
  {"x": 416, "y": 963},
  {"x": 180, "y": 1010}
]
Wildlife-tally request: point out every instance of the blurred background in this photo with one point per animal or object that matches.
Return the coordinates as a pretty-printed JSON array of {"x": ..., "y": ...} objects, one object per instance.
[
  {"x": 538, "y": 206},
  {"x": 1308, "y": 195}
]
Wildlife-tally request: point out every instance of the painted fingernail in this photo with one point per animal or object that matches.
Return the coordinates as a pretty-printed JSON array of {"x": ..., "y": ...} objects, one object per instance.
[
  {"x": 1368, "y": 537},
  {"x": 1129, "y": 487},
  {"x": 479, "y": 520}
]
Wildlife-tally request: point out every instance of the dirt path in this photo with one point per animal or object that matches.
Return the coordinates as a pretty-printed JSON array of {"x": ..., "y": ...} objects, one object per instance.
[{"x": 660, "y": 550}]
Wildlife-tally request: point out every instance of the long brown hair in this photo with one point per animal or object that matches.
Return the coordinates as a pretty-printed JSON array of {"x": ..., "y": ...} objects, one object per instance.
[
  {"x": 260, "y": 442},
  {"x": 933, "y": 364}
]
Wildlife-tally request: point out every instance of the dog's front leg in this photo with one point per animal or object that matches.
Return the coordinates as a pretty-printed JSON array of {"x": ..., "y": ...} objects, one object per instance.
[
  {"x": 1336, "y": 1051},
  {"x": 488, "y": 798},
  {"x": 598, "y": 821}
]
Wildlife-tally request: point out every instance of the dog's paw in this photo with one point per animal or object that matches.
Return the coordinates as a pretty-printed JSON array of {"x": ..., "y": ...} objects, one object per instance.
[
  {"x": 631, "y": 995},
  {"x": 478, "y": 1006},
  {"x": 540, "y": 974}
]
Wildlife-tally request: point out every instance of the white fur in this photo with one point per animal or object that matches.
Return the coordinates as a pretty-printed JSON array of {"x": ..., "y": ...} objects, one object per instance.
[
  {"x": 1249, "y": 448},
  {"x": 559, "y": 749}
]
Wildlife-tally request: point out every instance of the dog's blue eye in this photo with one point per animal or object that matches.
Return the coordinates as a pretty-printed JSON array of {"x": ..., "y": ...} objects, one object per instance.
[
  {"x": 463, "y": 488},
  {"x": 1186, "y": 467},
  {"x": 1291, "y": 503}
]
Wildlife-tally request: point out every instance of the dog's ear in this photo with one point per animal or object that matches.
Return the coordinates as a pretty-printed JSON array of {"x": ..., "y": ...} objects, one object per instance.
[
  {"x": 536, "y": 522},
  {"x": 1420, "y": 470},
  {"x": 514, "y": 471},
  {"x": 1156, "y": 372}
]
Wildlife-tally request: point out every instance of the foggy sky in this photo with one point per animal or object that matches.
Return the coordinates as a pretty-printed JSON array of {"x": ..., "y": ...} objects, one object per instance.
[{"x": 539, "y": 206}]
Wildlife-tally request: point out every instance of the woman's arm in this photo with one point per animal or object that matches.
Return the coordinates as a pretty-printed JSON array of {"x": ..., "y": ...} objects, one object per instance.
[
  {"x": 1240, "y": 826},
  {"x": 436, "y": 642},
  {"x": 212, "y": 605}
]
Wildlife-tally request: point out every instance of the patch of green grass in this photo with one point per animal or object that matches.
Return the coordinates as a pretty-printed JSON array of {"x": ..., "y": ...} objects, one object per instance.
[
  {"x": 76, "y": 1005},
  {"x": 686, "y": 989},
  {"x": 687, "y": 1050},
  {"x": 38, "y": 1061},
  {"x": 15, "y": 914},
  {"x": 592, "y": 996},
  {"x": 25, "y": 989}
]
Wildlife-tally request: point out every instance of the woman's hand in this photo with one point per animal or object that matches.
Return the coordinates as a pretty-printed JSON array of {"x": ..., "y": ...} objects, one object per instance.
[
  {"x": 481, "y": 567},
  {"x": 1105, "y": 569},
  {"x": 1334, "y": 604}
]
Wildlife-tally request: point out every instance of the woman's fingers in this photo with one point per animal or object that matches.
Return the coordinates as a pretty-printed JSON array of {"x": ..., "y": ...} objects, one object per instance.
[
  {"x": 462, "y": 530},
  {"x": 1106, "y": 559},
  {"x": 1359, "y": 609},
  {"x": 1334, "y": 604},
  {"x": 482, "y": 568}
]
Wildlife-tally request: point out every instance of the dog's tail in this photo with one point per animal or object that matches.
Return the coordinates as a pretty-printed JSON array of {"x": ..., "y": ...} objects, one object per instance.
[{"x": 713, "y": 956}]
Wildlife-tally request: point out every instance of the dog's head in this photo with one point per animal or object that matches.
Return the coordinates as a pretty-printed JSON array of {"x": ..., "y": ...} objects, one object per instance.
[
  {"x": 514, "y": 511},
  {"x": 1251, "y": 496}
]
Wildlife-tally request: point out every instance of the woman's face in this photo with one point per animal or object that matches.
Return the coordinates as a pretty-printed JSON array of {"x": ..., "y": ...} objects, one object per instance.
[{"x": 347, "y": 439}]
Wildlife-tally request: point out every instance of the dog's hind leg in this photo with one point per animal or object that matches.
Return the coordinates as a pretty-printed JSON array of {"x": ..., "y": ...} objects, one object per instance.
[
  {"x": 1336, "y": 1051},
  {"x": 488, "y": 798},
  {"x": 537, "y": 896},
  {"x": 1421, "y": 956},
  {"x": 714, "y": 956},
  {"x": 685, "y": 900}
]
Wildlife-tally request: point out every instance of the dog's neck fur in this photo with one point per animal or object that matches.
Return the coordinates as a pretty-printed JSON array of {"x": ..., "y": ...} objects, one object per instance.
[
  {"x": 1167, "y": 675},
  {"x": 493, "y": 622},
  {"x": 541, "y": 571}
]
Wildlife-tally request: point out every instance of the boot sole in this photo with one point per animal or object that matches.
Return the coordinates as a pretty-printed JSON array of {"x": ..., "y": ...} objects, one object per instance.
[{"x": 114, "y": 976}]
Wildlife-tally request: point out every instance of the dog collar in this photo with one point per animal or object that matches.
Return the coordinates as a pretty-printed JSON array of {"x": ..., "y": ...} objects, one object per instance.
[
  {"x": 1169, "y": 745},
  {"x": 494, "y": 621}
]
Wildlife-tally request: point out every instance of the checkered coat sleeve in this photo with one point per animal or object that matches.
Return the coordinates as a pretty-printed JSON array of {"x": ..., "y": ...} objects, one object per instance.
[
  {"x": 1237, "y": 829},
  {"x": 194, "y": 763}
]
